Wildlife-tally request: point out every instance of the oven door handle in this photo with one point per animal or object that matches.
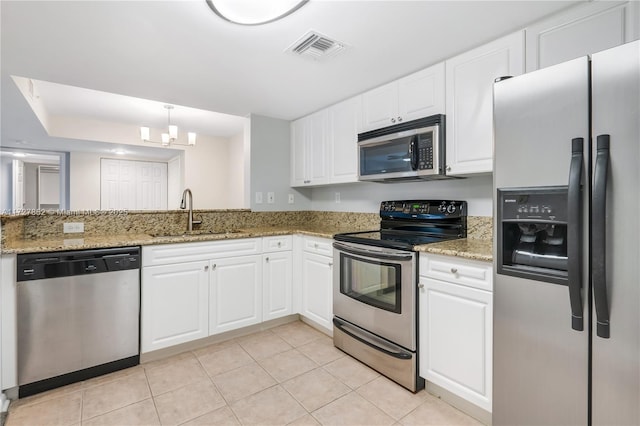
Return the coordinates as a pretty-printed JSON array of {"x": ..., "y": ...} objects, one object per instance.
[
  {"x": 373, "y": 254},
  {"x": 362, "y": 339}
]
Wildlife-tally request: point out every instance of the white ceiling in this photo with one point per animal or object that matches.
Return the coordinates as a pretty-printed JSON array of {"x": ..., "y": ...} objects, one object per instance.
[{"x": 181, "y": 53}]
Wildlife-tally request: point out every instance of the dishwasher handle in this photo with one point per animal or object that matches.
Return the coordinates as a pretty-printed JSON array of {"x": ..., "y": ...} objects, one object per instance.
[{"x": 39, "y": 266}]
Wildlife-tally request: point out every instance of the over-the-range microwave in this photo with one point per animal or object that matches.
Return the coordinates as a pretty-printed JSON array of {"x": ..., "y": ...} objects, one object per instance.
[{"x": 414, "y": 150}]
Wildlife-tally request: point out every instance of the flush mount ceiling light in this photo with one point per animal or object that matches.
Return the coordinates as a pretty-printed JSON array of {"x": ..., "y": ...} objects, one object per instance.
[
  {"x": 171, "y": 137},
  {"x": 254, "y": 12}
]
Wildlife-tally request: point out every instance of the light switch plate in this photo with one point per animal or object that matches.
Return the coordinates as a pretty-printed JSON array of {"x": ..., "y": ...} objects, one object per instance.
[
  {"x": 291, "y": 199},
  {"x": 271, "y": 197},
  {"x": 258, "y": 197},
  {"x": 337, "y": 197}
]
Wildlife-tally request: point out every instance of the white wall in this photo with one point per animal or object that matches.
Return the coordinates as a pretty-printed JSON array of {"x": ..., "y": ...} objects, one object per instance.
[
  {"x": 31, "y": 185},
  {"x": 207, "y": 173},
  {"x": 270, "y": 152},
  {"x": 84, "y": 181},
  {"x": 236, "y": 172},
  {"x": 366, "y": 196}
]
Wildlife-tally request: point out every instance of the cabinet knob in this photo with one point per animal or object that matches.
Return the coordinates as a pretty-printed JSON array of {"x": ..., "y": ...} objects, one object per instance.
[
  {"x": 454, "y": 270},
  {"x": 214, "y": 266},
  {"x": 206, "y": 267},
  {"x": 330, "y": 264},
  {"x": 420, "y": 285},
  {"x": 266, "y": 259},
  {"x": 393, "y": 120},
  {"x": 279, "y": 243},
  {"x": 315, "y": 245},
  {"x": 448, "y": 168},
  {"x": 399, "y": 119}
]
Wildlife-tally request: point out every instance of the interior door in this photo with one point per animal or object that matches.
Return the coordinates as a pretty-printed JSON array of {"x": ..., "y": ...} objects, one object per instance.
[{"x": 616, "y": 108}]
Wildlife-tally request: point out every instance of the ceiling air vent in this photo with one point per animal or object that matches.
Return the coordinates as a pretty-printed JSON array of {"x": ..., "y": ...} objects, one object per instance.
[{"x": 316, "y": 46}]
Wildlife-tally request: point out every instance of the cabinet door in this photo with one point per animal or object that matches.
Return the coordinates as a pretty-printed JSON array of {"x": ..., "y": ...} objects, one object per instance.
[
  {"x": 175, "y": 304},
  {"x": 317, "y": 296},
  {"x": 235, "y": 295},
  {"x": 421, "y": 94},
  {"x": 380, "y": 107},
  {"x": 317, "y": 148},
  {"x": 343, "y": 141},
  {"x": 455, "y": 339},
  {"x": 580, "y": 31},
  {"x": 298, "y": 151},
  {"x": 470, "y": 79},
  {"x": 277, "y": 284}
]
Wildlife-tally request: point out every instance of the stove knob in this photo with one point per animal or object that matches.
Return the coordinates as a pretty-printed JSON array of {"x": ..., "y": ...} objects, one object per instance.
[
  {"x": 442, "y": 208},
  {"x": 451, "y": 208}
]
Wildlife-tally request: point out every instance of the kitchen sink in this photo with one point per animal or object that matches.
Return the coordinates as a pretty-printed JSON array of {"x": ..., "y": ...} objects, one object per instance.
[{"x": 196, "y": 233}]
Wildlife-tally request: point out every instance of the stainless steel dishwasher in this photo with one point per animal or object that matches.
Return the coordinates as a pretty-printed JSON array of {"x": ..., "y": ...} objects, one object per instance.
[{"x": 78, "y": 316}]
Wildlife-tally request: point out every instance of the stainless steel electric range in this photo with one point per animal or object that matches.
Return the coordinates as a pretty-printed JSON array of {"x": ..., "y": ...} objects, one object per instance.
[{"x": 375, "y": 301}]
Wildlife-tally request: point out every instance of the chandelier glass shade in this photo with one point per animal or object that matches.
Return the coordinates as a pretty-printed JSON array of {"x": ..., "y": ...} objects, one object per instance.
[
  {"x": 170, "y": 137},
  {"x": 254, "y": 12}
]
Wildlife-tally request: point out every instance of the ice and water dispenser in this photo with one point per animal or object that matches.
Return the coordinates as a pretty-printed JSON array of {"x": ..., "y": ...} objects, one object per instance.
[{"x": 532, "y": 233}]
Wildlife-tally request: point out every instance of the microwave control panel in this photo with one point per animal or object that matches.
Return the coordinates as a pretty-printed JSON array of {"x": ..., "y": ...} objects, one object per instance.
[{"x": 425, "y": 151}]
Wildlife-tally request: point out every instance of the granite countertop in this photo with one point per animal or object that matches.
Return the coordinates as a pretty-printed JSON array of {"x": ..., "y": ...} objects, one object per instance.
[
  {"x": 465, "y": 247},
  {"x": 81, "y": 242}
]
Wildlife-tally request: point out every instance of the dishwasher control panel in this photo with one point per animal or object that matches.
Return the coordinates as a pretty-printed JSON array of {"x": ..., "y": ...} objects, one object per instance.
[{"x": 37, "y": 266}]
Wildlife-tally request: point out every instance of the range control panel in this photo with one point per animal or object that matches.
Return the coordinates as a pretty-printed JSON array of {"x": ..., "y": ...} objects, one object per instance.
[{"x": 415, "y": 208}]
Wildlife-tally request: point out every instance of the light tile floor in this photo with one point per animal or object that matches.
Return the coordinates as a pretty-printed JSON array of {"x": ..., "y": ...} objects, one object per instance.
[{"x": 290, "y": 374}]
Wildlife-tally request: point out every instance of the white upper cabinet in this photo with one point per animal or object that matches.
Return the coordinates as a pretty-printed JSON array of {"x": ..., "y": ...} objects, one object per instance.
[
  {"x": 324, "y": 146},
  {"x": 343, "y": 141},
  {"x": 580, "y": 31},
  {"x": 418, "y": 95},
  {"x": 470, "y": 78},
  {"x": 309, "y": 150}
]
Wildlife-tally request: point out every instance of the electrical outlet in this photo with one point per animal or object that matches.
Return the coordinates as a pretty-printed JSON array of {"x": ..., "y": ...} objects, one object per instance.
[
  {"x": 291, "y": 199},
  {"x": 271, "y": 197},
  {"x": 337, "y": 197},
  {"x": 258, "y": 197},
  {"x": 73, "y": 227}
]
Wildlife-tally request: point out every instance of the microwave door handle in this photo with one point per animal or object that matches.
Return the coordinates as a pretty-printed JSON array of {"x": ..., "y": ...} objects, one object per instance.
[
  {"x": 574, "y": 234},
  {"x": 413, "y": 152}
]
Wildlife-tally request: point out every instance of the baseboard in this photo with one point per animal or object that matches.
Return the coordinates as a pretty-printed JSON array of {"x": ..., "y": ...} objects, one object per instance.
[
  {"x": 461, "y": 404},
  {"x": 217, "y": 338}
]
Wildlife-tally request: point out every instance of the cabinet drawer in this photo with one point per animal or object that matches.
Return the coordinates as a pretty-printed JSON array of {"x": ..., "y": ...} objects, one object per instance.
[
  {"x": 321, "y": 246},
  {"x": 471, "y": 273},
  {"x": 279, "y": 243},
  {"x": 190, "y": 252}
]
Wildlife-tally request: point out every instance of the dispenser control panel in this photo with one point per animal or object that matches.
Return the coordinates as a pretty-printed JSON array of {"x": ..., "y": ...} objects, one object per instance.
[{"x": 547, "y": 204}]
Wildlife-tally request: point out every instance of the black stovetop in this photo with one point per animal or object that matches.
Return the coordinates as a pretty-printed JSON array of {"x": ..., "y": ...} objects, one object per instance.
[{"x": 405, "y": 224}]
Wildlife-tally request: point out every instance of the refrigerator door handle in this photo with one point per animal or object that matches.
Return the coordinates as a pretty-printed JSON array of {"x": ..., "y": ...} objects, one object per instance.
[
  {"x": 599, "y": 240},
  {"x": 574, "y": 234}
]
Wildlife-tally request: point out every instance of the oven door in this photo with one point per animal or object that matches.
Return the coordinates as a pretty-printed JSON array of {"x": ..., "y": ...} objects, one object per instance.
[{"x": 375, "y": 289}]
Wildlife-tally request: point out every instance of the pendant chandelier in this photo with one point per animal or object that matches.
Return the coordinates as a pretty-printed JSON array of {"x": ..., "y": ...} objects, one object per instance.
[{"x": 171, "y": 136}]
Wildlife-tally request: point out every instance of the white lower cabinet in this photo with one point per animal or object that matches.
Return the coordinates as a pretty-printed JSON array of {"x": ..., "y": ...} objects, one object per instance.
[
  {"x": 235, "y": 293},
  {"x": 277, "y": 285},
  {"x": 456, "y": 328},
  {"x": 317, "y": 295},
  {"x": 175, "y": 304}
]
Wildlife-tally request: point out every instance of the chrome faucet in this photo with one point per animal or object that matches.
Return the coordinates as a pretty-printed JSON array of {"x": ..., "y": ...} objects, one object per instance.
[{"x": 183, "y": 205}]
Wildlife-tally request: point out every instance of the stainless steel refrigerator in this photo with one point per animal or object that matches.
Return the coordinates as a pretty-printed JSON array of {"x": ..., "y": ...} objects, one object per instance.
[{"x": 566, "y": 243}]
